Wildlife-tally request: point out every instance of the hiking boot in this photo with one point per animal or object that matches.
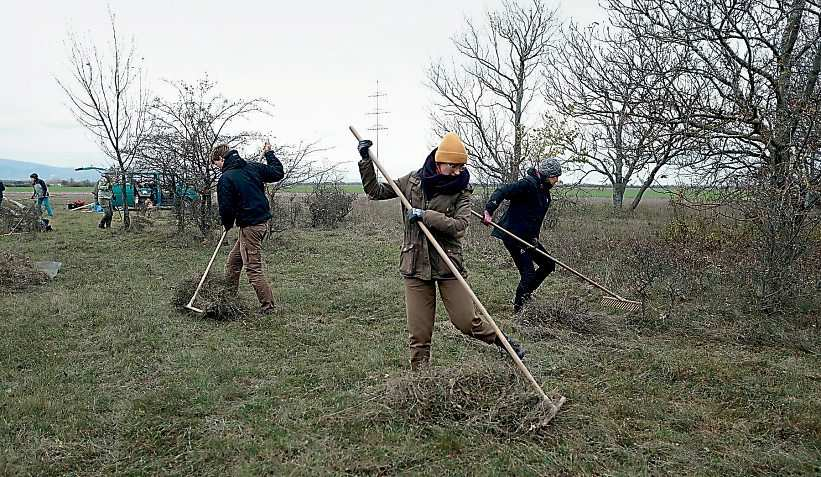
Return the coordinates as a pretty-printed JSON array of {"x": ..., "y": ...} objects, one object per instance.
[
  {"x": 519, "y": 301},
  {"x": 517, "y": 348}
]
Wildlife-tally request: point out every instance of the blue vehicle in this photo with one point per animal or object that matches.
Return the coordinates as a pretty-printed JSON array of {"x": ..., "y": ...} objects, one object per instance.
[{"x": 145, "y": 189}]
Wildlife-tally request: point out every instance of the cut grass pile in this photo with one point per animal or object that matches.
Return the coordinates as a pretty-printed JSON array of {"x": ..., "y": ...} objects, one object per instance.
[
  {"x": 213, "y": 299},
  {"x": 482, "y": 395},
  {"x": 17, "y": 273}
]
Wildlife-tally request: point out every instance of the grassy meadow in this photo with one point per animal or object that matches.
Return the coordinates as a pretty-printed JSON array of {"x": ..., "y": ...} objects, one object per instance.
[{"x": 99, "y": 374}]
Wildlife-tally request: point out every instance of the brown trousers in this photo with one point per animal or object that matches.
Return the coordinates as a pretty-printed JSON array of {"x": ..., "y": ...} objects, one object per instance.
[
  {"x": 420, "y": 303},
  {"x": 247, "y": 252}
]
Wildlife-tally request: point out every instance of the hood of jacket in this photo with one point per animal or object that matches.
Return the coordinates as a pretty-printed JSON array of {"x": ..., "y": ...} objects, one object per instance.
[
  {"x": 542, "y": 181},
  {"x": 232, "y": 160}
]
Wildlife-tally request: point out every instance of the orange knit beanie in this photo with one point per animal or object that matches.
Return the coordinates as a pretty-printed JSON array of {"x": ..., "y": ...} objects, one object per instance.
[{"x": 451, "y": 150}]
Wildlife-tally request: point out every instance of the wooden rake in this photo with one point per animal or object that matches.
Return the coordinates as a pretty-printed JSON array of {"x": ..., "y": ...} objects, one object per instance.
[
  {"x": 554, "y": 405},
  {"x": 613, "y": 301},
  {"x": 190, "y": 304}
]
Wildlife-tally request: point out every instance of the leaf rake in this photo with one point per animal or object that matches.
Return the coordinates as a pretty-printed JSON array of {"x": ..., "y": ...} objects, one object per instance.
[{"x": 612, "y": 301}]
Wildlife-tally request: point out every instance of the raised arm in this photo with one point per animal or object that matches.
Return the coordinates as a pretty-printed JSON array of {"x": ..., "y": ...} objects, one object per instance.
[{"x": 272, "y": 171}]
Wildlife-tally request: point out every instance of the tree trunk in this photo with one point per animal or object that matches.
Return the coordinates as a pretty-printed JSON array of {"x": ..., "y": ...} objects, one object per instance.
[{"x": 618, "y": 195}]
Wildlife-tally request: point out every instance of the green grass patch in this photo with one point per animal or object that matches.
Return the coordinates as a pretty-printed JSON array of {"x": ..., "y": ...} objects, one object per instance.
[
  {"x": 53, "y": 189},
  {"x": 100, "y": 374}
]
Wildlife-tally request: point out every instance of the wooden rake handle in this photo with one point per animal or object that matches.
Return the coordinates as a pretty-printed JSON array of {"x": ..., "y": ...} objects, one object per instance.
[
  {"x": 558, "y": 262},
  {"x": 190, "y": 304},
  {"x": 458, "y": 276}
]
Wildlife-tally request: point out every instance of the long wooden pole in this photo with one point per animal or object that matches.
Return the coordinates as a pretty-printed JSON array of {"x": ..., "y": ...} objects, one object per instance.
[{"x": 462, "y": 281}]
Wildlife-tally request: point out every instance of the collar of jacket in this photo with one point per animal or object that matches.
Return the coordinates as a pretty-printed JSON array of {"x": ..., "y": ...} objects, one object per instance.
[
  {"x": 541, "y": 184},
  {"x": 232, "y": 160}
]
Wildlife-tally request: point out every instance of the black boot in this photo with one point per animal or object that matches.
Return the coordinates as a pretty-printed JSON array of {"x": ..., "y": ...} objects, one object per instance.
[
  {"x": 517, "y": 348},
  {"x": 520, "y": 300}
]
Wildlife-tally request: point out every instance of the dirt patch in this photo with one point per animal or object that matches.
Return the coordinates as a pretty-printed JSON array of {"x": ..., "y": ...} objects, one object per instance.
[
  {"x": 17, "y": 273},
  {"x": 212, "y": 299}
]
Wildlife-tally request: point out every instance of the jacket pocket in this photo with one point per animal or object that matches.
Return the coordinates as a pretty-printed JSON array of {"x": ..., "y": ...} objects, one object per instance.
[
  {"x": 455, "y": 256},
  {"x": 407, "y": 259}
]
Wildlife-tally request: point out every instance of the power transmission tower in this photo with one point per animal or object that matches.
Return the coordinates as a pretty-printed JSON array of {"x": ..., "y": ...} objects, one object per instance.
[{"x": 378, "y": 113}]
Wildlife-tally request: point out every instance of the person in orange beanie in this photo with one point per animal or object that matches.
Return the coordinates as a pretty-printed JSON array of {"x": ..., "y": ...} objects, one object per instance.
[{"x": 439, "y": 194}]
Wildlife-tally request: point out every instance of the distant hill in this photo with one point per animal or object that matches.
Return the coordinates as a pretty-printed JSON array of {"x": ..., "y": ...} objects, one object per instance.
[{"x": 20, "y": 170}]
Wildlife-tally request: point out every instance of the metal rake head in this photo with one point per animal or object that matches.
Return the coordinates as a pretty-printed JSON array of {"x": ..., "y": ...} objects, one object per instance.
[{"x": 621, "y": 304}]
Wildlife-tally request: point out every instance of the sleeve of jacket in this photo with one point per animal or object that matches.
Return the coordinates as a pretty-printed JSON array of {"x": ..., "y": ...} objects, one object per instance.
[
  {"x": 453, "y": 226},
  {"x": 225, "y": 197},
  {"x": 508, "y": 191},
  {"x": 375, "y": 189},
  {"x": 272, "y": 171}
]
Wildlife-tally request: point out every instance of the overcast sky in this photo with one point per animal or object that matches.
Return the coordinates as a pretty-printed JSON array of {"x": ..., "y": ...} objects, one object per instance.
[{"x": 316, "y": 61}]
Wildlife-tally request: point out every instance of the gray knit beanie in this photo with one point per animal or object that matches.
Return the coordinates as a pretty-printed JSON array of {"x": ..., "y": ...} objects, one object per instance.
[{"x": 550, "y": 167}]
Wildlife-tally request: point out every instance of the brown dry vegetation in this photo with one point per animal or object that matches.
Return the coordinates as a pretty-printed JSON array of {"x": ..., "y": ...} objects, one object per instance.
[{"x": 699, "y": 383}]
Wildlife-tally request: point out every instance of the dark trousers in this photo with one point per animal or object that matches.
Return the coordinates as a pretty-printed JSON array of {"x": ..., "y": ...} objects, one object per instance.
[
  {"x": 530, "y": 276},
  {"x": 108, "y": 214}
]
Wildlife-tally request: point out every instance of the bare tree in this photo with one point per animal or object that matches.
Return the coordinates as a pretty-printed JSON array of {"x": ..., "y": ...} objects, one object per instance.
[
  {"x": 485, "y": 96},
  {"x": 193, "y": 122},
  {"x": 751, "y": 86},
  {"x": 301, "y": 166},
  {"x": 752, "y": 77},
  {"x": 107, "y": 96},
  {"x": 617, "y": 91},
  {"x": 163, "y": 152}
]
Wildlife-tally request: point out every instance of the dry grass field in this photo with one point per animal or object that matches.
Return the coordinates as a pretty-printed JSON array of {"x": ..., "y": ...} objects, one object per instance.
[{"x": 101, "y": 374}]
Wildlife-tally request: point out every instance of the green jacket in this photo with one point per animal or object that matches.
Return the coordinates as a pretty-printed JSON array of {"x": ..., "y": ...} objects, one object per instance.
[{"x": 447, "y": 217}]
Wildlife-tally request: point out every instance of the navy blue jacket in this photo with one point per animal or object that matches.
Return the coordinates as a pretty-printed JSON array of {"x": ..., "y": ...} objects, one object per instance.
[
  {"x": 241, "y": 189},
  {"x": 529, "y": 199}
]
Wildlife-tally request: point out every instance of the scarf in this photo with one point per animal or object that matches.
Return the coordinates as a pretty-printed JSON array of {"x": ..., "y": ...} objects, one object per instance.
[{"x": 434, "y": 183}]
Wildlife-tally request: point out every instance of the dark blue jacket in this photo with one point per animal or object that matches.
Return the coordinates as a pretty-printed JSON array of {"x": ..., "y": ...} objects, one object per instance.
[
  {"x": 529, "y": 199},
  {"x": 241, "y": 189}
]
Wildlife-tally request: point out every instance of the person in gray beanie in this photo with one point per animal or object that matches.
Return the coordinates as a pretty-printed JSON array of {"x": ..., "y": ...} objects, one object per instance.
[{"x": 529, "y": 199}]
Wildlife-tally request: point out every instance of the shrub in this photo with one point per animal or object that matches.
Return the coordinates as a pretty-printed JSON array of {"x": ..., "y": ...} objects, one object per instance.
[{"x": 329, "y": 204}]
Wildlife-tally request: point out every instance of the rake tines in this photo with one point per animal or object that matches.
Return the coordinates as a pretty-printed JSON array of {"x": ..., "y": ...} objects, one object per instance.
[{"x": 619, "y": 303}]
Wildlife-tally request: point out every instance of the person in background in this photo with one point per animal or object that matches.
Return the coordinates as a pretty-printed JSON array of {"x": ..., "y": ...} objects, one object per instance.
[
  {"x": 529, "y": 200},
  {"x": 104, "y": 199},
  {"x": 2, "y": 188},
  {"x": 42, "y": 197}
]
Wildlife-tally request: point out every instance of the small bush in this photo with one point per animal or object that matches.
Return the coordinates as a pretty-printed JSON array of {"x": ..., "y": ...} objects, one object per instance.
[{"x": 329, "y": 204}]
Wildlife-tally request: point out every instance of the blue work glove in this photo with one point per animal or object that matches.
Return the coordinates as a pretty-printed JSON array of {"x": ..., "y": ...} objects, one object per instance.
[
  {"x": 363, "y": 147},
  {"x": 415, "y": 215}
]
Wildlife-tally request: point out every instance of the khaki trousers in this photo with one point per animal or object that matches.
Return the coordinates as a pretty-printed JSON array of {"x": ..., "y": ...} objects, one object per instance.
[
  {"x": 247, "y": 252},
  {"x": 420, "y": 303}
]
